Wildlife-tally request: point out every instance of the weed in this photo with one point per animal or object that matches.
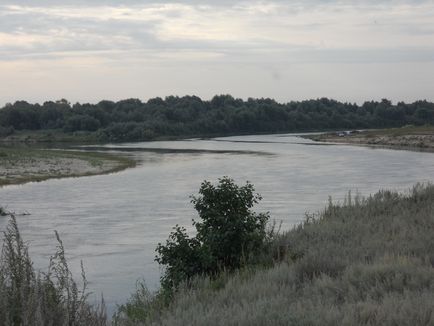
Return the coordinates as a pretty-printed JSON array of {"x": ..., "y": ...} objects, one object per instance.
[{"x": 28, "y": 297}]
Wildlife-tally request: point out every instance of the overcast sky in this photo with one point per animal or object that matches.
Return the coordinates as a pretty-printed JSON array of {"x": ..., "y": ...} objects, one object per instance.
[{"x": 87, "y": 51}]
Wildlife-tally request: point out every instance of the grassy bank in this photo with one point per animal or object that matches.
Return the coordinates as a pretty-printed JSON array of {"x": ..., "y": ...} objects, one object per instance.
[
  {"x": 409, "y": 137},
  {"x": 87, "y": 137},
  {"x": 22, "y": 164},
  {"x": 49, "y": 136},
  {"x": 363, "y": 262},
  {"x": 56, "y": 136}
]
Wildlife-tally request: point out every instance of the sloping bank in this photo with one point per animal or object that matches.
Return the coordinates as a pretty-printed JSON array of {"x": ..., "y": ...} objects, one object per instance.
[
  {"x": 21, "y": 165},
  {"x": 364, "y": 262}
]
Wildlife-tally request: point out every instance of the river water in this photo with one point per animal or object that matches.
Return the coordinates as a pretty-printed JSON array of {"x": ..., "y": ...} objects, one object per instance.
[{"x": 114, "y": 222}]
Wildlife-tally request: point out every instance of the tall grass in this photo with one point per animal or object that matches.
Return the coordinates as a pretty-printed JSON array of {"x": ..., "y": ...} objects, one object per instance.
[
  {"x": 53, "y": 298},
  {"x": 364, "y": 262}
]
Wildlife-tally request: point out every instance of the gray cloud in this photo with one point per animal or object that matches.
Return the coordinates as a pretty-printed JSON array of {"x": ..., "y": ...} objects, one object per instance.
[
  {"x": 268, "y": 38},
  {"x": 199, "y": 2}
]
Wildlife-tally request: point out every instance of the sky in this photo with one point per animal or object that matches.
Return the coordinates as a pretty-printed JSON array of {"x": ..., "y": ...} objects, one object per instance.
[{"x": 87, "y": 51}]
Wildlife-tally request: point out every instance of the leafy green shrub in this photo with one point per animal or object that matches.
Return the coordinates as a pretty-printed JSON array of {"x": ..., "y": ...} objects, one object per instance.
[{"x": 228, "y": 235}]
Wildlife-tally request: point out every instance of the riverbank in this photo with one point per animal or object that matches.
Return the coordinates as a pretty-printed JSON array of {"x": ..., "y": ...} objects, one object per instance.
[
  {"x": 409, "y": 138},
  {"x": 46, "y": 137},
  {"x": 363, "y": 262},
  {"x": 21, "y": 165}
]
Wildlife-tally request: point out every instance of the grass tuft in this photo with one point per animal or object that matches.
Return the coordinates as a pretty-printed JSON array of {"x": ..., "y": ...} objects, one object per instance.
[{"x": 31, "y": 298}]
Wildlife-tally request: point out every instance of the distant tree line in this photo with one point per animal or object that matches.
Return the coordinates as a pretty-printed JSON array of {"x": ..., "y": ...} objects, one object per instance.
[{"x": 132, "y": 119}]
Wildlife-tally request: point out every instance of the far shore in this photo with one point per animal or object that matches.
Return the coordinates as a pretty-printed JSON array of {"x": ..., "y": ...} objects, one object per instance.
[
  {"x": 405, "y": 138},
  {"x": 19, "y": 165},
  {"x": 23, "y": 165}
]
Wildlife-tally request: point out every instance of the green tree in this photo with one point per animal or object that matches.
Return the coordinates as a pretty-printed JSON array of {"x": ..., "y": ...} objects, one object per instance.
[{"x": 228, "y": 234}]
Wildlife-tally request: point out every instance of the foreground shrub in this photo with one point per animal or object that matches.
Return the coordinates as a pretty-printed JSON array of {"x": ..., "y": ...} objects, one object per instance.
[
  {"x": 31, "y": 298},
  {"x": 228, "y": 234}
]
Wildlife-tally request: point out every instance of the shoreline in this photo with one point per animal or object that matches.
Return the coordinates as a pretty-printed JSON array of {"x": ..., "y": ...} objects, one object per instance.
[
  {"x": 416, "y": 139},
  {"x": 22, "y": 165},
  {"x": 45, "y": 138}
]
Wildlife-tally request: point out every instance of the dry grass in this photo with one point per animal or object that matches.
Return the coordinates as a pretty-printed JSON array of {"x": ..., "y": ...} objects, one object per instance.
[
  {"x": 53, "y": 298},
  {"x": 365, "y": 262}
]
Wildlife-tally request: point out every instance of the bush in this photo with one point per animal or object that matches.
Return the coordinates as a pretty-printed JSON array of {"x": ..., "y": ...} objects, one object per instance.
[{"x": 228, "y": 235}]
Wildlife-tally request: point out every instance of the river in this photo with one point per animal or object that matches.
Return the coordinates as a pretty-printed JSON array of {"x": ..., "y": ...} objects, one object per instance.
[{"x": 114, "y": 222}]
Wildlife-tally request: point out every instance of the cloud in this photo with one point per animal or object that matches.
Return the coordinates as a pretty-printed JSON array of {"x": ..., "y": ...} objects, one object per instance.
[
  {"x": 114, "y": 37},
  {"x": 276, "y": 25}
]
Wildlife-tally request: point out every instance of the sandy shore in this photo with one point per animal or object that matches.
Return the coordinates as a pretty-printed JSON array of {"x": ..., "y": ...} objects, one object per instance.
[
  {"x": 22, "y": 165},
  {"x": 402, "y": 138}
]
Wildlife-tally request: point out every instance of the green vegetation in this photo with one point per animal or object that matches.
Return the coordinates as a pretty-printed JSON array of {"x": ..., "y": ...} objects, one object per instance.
[
  {"x": 228, "y": 236},
  {"x": 49, "y": 136},
  {"x": 363, "y": 262},
  {"x": 133, "y": 120},
  {"x": 31, "y": 298},
  {"x": 23, "y": 164}
]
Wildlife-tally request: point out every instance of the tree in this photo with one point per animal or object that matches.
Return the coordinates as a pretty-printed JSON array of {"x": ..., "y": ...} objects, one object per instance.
[
  {"x": 228, "y": 234},
  {"x": 81, "y": 122}
]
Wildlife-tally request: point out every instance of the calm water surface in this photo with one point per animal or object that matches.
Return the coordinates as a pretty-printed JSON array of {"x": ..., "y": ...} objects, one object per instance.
[{"x": 114, "y": 222}]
